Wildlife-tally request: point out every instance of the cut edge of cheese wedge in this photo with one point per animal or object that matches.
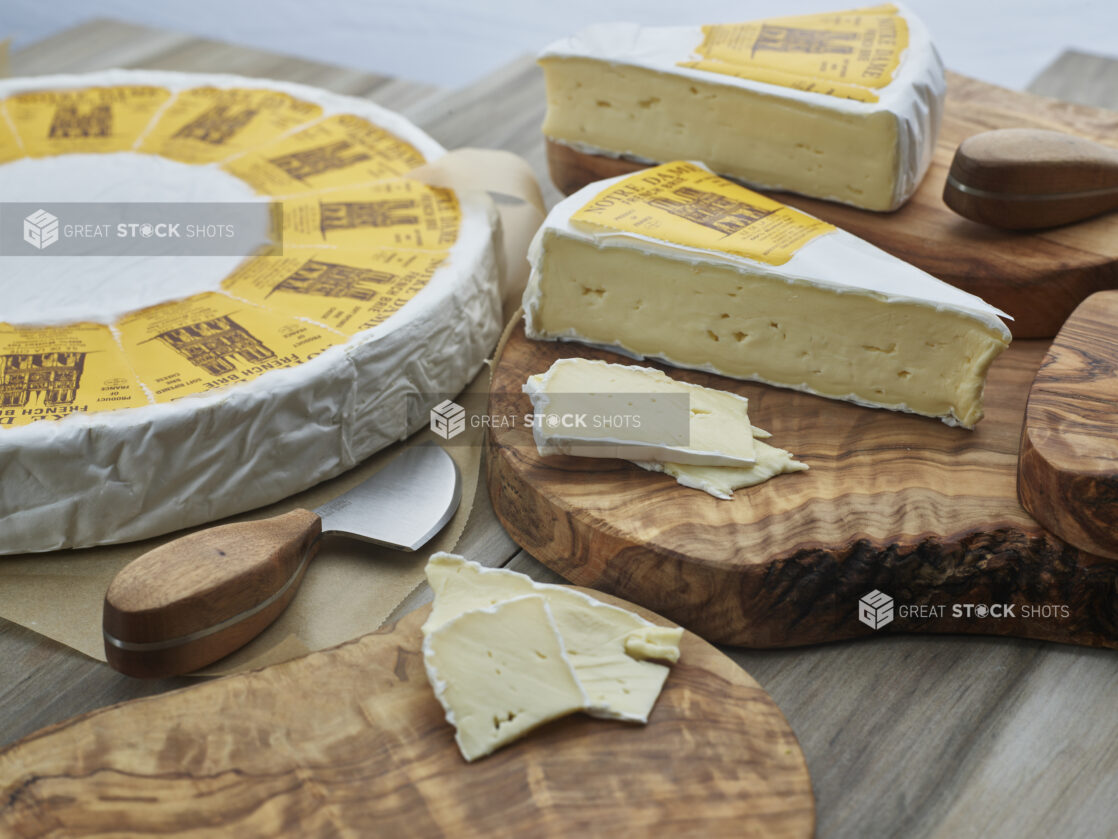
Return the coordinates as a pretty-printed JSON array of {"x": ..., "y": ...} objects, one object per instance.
[
  {"x": 839, "y": 318},
  {"x": 636, "y": 413},
  {"x": 623, "y": 90},
  {"x": 500, "y": 672},
  {"x": 615, "y": 653}
]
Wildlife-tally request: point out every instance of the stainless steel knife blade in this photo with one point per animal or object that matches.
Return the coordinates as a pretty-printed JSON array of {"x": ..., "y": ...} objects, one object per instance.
[{"x": 401, "y": 506}]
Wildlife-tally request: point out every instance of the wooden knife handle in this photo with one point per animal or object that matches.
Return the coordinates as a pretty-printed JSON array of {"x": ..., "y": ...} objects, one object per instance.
[
  {"x": 198, "y": 598},
  {"x": 1067, "y": 467},
  {"x": 1023, "y": 178}
]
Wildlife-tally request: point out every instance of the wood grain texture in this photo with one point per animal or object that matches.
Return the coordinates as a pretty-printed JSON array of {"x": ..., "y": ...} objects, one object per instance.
[
  {"x": 351, "y": 741},
  {"x": 1038, "y": 278},
  {"x": 926, "y": 513},
  {"x": 1068, "y": 471},
  {"x": 240, "y": 575}
]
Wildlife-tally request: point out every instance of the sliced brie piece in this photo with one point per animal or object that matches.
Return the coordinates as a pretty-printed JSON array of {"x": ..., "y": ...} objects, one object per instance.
[
  {"x": 677, "y": 264},
  {"x": 610, "y": 648},
  {"x": 721, "y": 481},
  {"x": 738, "y": 98},
  {"x": 499, "y": 672},
  {"x": 591, "y": 408}
]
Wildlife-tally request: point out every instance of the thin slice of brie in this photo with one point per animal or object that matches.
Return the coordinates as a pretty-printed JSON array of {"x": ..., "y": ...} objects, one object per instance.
[
  {"x": 610, "y": 648},
  {"x": 591, "y": 408},
  {"x": 721, "y": 481},
  {"x": 499, "y": 672}
]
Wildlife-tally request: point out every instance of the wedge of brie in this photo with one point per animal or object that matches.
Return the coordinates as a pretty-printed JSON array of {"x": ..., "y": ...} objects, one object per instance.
[
  {"x": 844, "y": 106},
  {"x": 678, "y": 264}
]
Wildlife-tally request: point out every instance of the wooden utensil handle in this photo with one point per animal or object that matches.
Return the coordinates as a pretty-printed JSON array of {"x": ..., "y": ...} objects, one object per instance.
[
  {"x": 198, "y": 598},
  {"x": 1026, "y": 178}
]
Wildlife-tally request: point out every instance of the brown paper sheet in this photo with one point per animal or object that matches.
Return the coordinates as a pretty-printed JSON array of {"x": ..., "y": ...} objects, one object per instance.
[{"x": 350, "y": 588}]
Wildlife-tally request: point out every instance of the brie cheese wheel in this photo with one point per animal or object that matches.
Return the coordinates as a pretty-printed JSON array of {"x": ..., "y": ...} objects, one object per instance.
[
  {"x": 615, "y": 653},
  {"x": 593, "y": 409},
  {"x": 499, "y": 672},
  {"x": 139, "y": 395},
  {"x": 843, "y": 106},
  {"x": 678, "y": 264}
]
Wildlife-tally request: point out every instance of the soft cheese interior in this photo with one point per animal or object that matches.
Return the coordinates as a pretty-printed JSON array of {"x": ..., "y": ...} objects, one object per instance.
[
  {"x": 615, "y": 654},
  {"x": 841, "y": 318},
  {"x": 767, "y": 140},
  {"x": 500, "y": 672}
]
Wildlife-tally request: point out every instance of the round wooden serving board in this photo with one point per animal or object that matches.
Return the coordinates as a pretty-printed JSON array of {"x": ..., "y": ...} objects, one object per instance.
[
  {"x": 893, "y": 502},
  {"x": 1037, "y": 277},
  {"x": 351, "y": 741}
]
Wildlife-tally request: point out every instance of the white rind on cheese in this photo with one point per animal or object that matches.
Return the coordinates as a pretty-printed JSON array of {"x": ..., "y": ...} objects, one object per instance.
[
  {"x": 118, "y": 476},
  {"x": 721, "y": 481},
  {"x": 500, "y": 672},
  {"x": 718, "y": 432},
  {"x": 614, "y": 652},
  {"x": 914, "y": 98},
  {"x": 836, "y": 261}
]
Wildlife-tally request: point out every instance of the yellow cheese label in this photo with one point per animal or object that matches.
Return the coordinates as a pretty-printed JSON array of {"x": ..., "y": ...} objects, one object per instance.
[
  {"x": 845, "y": 54},
  {"x": 342, "y": 150},
  {"x": 10, "y": 149},
  {"x": 211, "y": 341},
  {"x": 684, "y": 204},
  {"x": 93, "y": 119},
  {"x": 208, "y": 124},
  {"x": 390, "y": 214},
  {"x": 347, "y": 290},
  {"x": 47, "y": 373}
]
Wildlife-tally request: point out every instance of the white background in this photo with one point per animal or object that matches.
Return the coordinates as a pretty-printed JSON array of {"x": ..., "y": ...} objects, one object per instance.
[{"x": 454, "y": 42}]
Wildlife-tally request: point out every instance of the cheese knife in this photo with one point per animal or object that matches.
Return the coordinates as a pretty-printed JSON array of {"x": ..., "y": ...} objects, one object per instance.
[
  {"x": 198, "y": 598},
  {"x": 1027, "y": 178}
]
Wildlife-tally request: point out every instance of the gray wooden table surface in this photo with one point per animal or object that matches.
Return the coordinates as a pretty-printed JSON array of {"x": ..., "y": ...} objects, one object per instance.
[{"x": 943, "y": 737}]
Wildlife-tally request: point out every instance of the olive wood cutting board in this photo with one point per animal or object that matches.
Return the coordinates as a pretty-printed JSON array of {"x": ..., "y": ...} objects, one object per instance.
[
  {"x": 352, "y": 742},
  {"x": 1037, "y": 277},
  {"x": 905, "y": 505}
]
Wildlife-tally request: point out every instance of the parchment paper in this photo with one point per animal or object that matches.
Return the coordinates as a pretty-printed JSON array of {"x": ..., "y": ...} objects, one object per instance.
[{"x": 350, "y": 588}]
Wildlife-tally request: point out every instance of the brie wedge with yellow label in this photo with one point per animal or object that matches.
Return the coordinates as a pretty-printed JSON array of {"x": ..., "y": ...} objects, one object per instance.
[
  {"x": 594, "y": 409},
  {"x": 844, "y": 106},
  {"x": 615, "y": 653},
  {"x": 677, "y": 264}
]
